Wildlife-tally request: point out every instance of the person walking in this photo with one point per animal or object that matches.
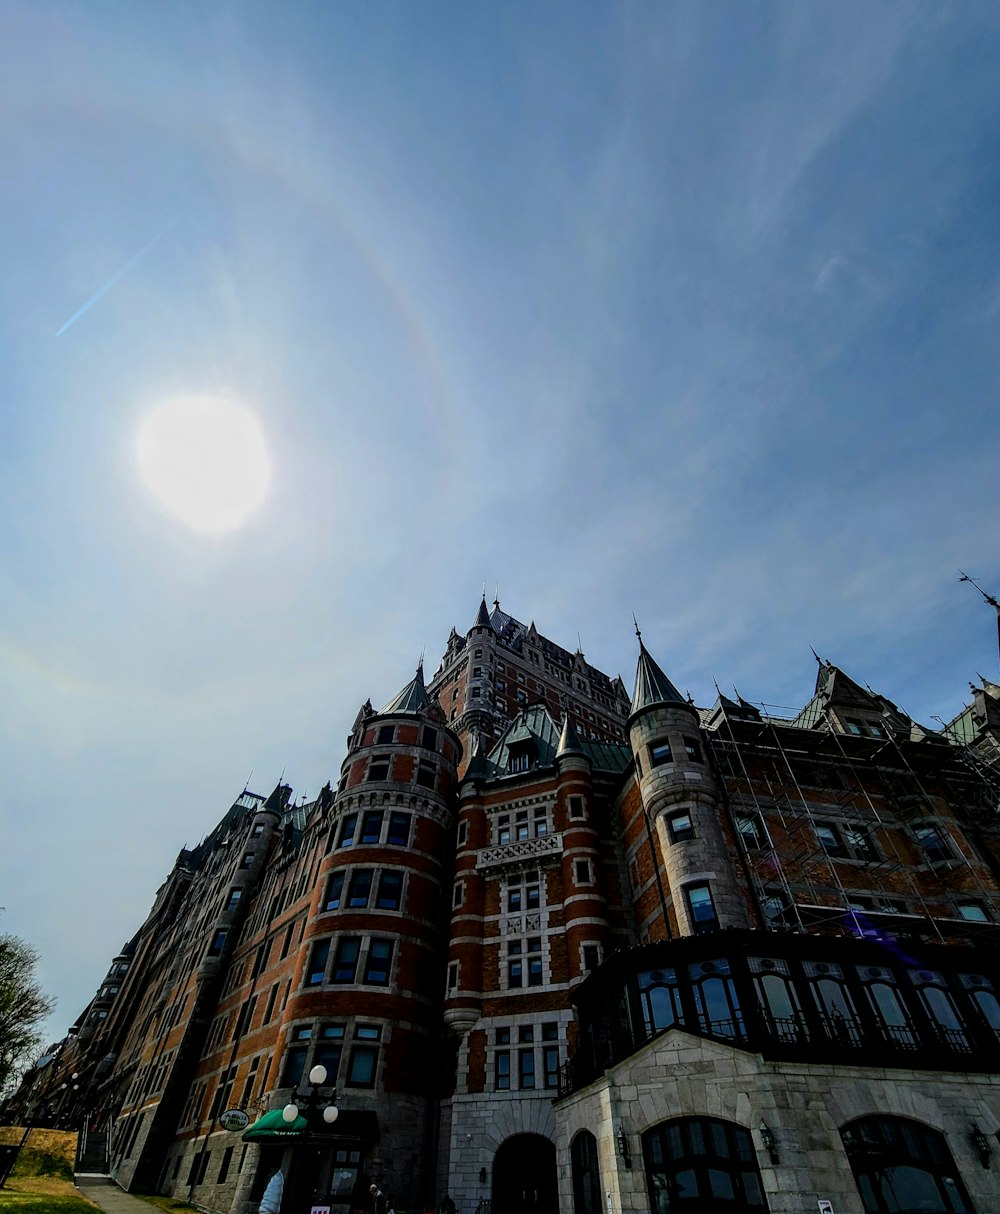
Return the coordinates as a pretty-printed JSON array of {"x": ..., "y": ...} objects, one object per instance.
[
  {"x": 270, "y": 1203},
  {"x": 378, "y": 1199}
]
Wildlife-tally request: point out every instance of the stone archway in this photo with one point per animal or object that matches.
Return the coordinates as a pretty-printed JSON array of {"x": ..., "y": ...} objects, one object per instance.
[{"x": 524, "y": 1176}]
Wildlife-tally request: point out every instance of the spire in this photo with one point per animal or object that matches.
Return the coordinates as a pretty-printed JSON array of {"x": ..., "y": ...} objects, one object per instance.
[
  {"x": 483, "y": 618},
  {"x": 278, "y": 799},
  {"x": 477, "y": 769},
  {"x": 569, "y": 743},
  {"x": 413, "y": 698},
  {"x": 651, "y": 685}
]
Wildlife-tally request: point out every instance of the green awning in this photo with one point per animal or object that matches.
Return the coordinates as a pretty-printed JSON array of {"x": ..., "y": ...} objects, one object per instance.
[{"x": 273, "y": 1126}]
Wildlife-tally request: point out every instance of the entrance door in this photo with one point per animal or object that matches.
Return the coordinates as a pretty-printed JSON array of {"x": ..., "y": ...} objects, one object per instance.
[{"x": 524, "y": 1176}]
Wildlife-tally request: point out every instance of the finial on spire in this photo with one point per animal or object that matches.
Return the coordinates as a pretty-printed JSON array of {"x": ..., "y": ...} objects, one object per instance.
[
  {"x": 420, "y": 660},
  {"x": 819, "y": 660},
  {"x": 636, "y": 623},
  {"x": 496, "y": 597},
  {"x": 484, "y": 590},
  {"x": 579, "y": 644},
  {"x": 988, "y": 597}
]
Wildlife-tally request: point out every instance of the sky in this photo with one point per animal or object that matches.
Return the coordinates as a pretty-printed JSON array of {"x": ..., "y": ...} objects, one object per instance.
[{"x": 686, "y": 310}]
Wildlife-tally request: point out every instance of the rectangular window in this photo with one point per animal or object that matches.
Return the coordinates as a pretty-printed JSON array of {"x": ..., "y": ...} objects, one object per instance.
[
  {"x": 535, "y": 975},
  {"x": 378, "y": 768},
  {"x": 371, "y": 827},
  {"x": 363, "y": 1062},
  {"x": 227, "y": 1158},
  {"x": 218, "y": 942},
  {"x": 693, "y": 748},
  {"x": 463, "y": 832},
  {"x": 679, "y": 827},
  {"x": 659, "y": 753},
  {"x": 316, "y": 973},
  {"x": 286, "y": 944},
  {"x": 501, "y": 1062},
  {"x": 591, "y": 957},
  {"x": 550, "y": 1031},
  {"x": 521, "y": 823},
  {"x": 390, "y": 890},
  {"x": 456, "y": 896},
  {"x": 550, "y": 1057},
  {"x": 345, "y": 962},
  {"x": 830, "y": 840},
  {"x": 361, "y": 887},
  {"x": 751, "y": 831},
  {"x": 426, "y": 774},
  {"x": 247, "y": 860},
  {"x": 525, "y": 1069},
  {"x": 576, "y": 807},
  {"x": 379, "y": 962},
  {"x": 932, "y": 840},
  {"x": 250, "y": 1080},
  {"x": 330, "y": 1050},
  {"x": 515, "y": 973},
  {"x": 385, "y": 735},
  {"x": 295, "y": 1065},
  {"x": 270, "y": 1004},
  {"x": 701, "y": 907},
  {"x": 453, "y": 976},
  {"x": 429, "y": 738},
  {"x": 334, "y": 890},
  {"x": 975, "y": 912},
  {"x": 541, "y": 823},
  {"x": 399, "y": 829},
  {"x": 234, "y": 899},
  {"x": 861, "y": 843},
  {"x": 854, "y": 726},
  {"x": 514, "y": 898},
  {"x": 532, "y": 896},
  {"x": 582, "y": 870},
  {"x": 347, "y": 829}
]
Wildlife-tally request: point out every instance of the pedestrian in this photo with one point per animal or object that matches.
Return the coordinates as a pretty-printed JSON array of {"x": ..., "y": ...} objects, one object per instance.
[
  {"x": 270, "y": 1203},
  {"x": 378, "y": 1199}
]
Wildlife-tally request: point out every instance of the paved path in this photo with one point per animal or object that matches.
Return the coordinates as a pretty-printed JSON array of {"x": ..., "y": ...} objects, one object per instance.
[{"x": 104, "y": 1192}]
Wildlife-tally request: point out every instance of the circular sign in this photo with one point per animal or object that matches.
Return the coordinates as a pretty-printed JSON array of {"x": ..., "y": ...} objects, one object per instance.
[{"x": 234, "y": 1119}]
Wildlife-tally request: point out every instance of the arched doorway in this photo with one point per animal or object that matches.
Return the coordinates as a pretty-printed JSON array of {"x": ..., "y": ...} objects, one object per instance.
[{"x": 524, "y": 1176}]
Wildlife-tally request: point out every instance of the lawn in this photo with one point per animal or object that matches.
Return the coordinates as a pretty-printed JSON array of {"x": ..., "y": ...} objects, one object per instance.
[{"x": 42, "y": 1194}]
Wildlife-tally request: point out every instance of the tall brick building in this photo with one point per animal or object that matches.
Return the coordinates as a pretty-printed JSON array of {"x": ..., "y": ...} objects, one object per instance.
[{"x": 560, "y": 948}]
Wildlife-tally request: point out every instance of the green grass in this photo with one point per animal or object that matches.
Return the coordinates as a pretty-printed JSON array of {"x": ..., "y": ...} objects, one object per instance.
[
  {"x": 42, "y": 1194},
  {"x": 164, "y": 1203}
]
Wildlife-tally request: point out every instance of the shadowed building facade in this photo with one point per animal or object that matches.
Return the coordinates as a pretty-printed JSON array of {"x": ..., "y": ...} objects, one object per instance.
[{"x": 560, "y": 948}]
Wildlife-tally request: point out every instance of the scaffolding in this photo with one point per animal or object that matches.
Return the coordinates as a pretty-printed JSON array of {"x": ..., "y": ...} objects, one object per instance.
[{"x": 766, "y": 764}]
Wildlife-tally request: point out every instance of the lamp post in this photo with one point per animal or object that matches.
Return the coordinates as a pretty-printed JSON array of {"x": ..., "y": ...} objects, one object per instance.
[{"x": 308, "y": 1106}]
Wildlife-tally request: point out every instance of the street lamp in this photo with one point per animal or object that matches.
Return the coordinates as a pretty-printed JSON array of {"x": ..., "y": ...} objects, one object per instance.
[{"x": 317, "y": 1078}]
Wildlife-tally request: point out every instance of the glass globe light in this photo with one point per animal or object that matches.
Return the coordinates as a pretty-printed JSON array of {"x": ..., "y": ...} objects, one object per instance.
[
  {"x": 317, "y": 1075},
  {"x": 330, "y": 1114},
  {"x": 290, "y": 1113}
]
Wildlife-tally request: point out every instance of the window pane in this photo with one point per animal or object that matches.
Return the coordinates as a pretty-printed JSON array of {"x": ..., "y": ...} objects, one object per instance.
[
  {"x": 390, "y": 888},
  {"x": 371, "y": 830},
  {"x": 360, "y": 888},
  {"x": 362, "y": 1073}
]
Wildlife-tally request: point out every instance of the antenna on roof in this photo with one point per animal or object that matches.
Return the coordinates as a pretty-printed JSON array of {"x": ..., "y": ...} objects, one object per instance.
[{"x": 964, "y": 577}]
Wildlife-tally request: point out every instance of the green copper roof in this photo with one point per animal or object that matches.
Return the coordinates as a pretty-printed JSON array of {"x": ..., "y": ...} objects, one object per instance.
[
  {"x": 569, "y": 743},
  {"x": 651, "y": 685},
  {"x": 413, "y": 698}
]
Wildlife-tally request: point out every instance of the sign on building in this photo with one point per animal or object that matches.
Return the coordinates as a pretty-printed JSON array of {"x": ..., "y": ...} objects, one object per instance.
[{"x": 234, "y": 1119}]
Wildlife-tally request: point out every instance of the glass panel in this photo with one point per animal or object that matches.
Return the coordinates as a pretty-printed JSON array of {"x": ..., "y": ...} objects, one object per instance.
[{"x": 721, "y": 1184}]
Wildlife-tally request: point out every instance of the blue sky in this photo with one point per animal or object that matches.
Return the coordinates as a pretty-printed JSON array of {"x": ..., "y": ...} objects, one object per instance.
[{"x": 686, "y": 310}]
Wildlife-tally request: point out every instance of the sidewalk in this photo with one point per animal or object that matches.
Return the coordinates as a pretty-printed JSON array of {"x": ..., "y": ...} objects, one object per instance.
[{"x": 104, "y": 1192}]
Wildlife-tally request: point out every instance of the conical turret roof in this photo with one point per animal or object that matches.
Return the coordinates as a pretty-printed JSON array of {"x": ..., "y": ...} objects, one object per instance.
[
  {"x": 483, "y": 618},
  {"x": 569, "y": 742},
  {"x": 477, "y": 768},
  {"x": 413, "y": 698},
  {"x": 651, "y": 685}
]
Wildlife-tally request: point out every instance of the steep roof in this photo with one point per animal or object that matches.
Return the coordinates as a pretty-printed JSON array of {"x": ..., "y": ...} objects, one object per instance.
[
  {"x": 413, "y": 698},
  {"x": 651, "y": 685},
  {"x": 535, "y": 725}
]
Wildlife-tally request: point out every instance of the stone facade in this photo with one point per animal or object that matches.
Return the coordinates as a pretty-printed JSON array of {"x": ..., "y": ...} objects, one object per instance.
[{"x": 538, "y": 933}]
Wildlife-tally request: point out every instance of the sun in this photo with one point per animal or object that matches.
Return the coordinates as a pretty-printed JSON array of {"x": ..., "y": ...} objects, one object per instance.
[{"x": 205, "y": 460}]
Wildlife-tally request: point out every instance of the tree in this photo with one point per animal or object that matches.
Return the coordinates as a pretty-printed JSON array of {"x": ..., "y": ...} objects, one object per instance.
[{"x": 22, "y": 1007}]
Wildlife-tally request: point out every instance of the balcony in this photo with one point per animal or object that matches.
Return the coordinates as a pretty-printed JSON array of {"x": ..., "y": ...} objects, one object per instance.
[{"x": 520, "y": 852}]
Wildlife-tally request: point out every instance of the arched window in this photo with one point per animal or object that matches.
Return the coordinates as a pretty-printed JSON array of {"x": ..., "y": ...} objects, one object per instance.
[
  {"x": 661, "y": 1000},
  {"x": 980, "y": 991},
  {"x": 715, "y": 999},
  {"x": 586, "y": 1174},
  {"x": 778, "y": 1000},
  {"x": 700, "y": 1165},
  {"x": 901, "y": 1165},
  {"x": 837, "y": 1012},
  {"x": 932, "y": 990},
  {"x": 883, "y": 995}
]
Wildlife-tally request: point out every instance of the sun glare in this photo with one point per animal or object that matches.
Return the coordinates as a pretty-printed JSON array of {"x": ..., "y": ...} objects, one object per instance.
[{"x": 204, "y": 459}]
